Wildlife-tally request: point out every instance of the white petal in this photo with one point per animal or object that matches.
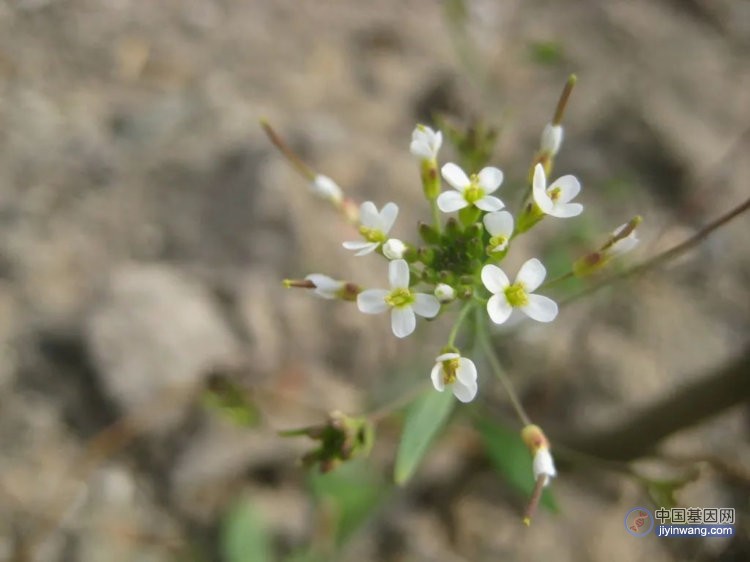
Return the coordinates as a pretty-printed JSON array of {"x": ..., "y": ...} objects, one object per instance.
[
  {"x": 426, "y": 305},
  {"x": 437, "y": 142},
  {"x": 569, "y": 187},
  {"x": 449, "y": 201},
  {"x": 372, "y": 301},
  {"x": 499, "y": 308},
  {"x": 539, "y": 191},
  {"x": 531, "y": 274},
  {"x": 325, "y": 286},
  {"x": 420, "y": 148},
  {"x": 464, "y": 392},
  {"x": 403, "y": 321},
  {"x": 387, "y": 217},
  {"x": 368, "y": 214},
  {"x": 552, "y": 138},
  {"x": 356, "y": 244},
  {"x": 540, "y": 308},
  {"x": 489, "y": 203},
  {"x": 494, "y": 279},
  {"x": 446, "y": 356},
  {"x": 437, "y": 377},
  {"x": 490, "y": 179},
  {"x": 566, "y": 210},
  {"x": 499, "y": 224},
  {"x": 455, "y": 176},
  {"x": 623, "y": 246},
  {"x": 325, "y": 187},
  {"x": 467, "y": 371},
  {"x": 398, "y": 274},
  {"x": 544, "y": 464}
]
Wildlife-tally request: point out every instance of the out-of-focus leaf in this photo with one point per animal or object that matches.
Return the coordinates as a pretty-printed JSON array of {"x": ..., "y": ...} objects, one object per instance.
[
  {"x": 511, "y": 458},
  {"x": 243, "y": 535},
  {"x": 662, "y": 492},
  {"x": 228, "y": 399},
  {"x": 424, "y": 420},
  {"x": 546, "y": 52},
  {"x": 348, "y": 496}
]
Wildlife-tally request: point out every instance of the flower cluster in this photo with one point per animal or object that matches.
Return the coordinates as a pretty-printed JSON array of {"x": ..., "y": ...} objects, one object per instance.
[{"x": 457, "y": 263}]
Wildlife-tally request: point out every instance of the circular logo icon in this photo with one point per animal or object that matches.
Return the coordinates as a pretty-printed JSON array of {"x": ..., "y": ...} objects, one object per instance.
[{"x": 639, "y": 522}]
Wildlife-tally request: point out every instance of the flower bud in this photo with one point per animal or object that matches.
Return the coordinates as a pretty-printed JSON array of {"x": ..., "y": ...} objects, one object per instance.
[
  {"x": 444, "y": 292},
  {"x": 394, "y": 249}
]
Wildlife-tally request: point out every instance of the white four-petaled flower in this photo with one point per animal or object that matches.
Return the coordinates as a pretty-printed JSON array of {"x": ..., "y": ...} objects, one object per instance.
[
  {"x": 326, "y": 287},
  {"x": 506, "y": 296},
  {"x": 402, "y": 301},
  {"x": 458, "y": 373},
  {"x": 544, "y": 464},
  {"x": 500, "y": 227},
  {"x": 474, "y": 190},
  {"x": 425, "y": 143},
  {"x": 556, "y": 199},
  {"x": 374, "y": 227}
]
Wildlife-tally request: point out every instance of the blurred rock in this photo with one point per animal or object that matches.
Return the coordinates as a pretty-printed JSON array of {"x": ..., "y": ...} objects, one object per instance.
[{"x": 154, "y": 338}]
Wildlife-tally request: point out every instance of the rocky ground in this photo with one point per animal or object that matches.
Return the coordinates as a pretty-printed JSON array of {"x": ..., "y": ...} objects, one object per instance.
[{"x": 145, "y": 224}]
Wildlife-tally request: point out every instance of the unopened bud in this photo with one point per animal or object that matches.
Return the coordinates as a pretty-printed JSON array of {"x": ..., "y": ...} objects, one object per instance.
[
  {"x": 444, "y": 292},
  {"x": 325, "y": 188},
  {"x": 552, "y": 138},
  {"x": 394, "y": 249}
]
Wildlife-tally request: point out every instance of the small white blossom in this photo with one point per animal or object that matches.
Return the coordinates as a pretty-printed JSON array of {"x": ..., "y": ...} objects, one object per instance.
[
  {"x": 544, "y": 464},
  {"x": 325, "y": 287},
  {"x": 400, "y": 299},
  {"x": 556, "y": 199},
  {"x": 552, "y": 138},
  {"x": 470, "y": 191},
  {"x": 374, "y": 227},
  {"x": 394, "y": 249},
  {"x": 425, "y": 143},
  {"x": 500, "y": 227},
  {"x": 623, "y": 245},
  {"x": 506, "y": 296},
  {"x": 444, "y": 292},
  {"x": 325, "y": 188},
  {"x": 456, "y": 372}
]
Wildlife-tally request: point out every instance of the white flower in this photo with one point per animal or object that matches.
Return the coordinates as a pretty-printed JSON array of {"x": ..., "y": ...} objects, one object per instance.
[
  {"x": 374, "y": 227},
  {"x": 552, "y": 138},
  {"x": 505, "y": 297},
  {"x": 500, "y": 227},
  {"x": 326, "y": 287},
  {"x": 325, "y": 188},
  {"x": 394, "y": 249},
  {"x": 470, "y": 191},
  {"x": 623, "y": 245},
  {"x": 444, "y": 292},
  {"x": 425, "y": 143},
  {"x": 459, "y": 373},
  {"x": 544, "y": 464},
  {"x": 556, "y": 199},
  {"x": 400, "y": 299}
]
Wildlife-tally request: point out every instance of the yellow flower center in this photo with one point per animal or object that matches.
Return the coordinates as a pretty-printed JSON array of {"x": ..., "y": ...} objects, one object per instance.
[
  {"x": 516, "y": 295},
  {"x": 399, "y": 298},
  {"x": 498, "y": 242},
  {"x": 554, "y": 193},
  {"x": 450, "y": 366},
  {"x": 372, "y": 234},
  {"x": 474, "y": 192}
]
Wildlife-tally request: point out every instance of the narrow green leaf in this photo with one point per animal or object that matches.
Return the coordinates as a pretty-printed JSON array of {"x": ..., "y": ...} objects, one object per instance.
[
  {"x": 425, "y": 418},
  {"x": 351, "y": 493},
  {"x": 510, "y": 457},
  {"x": 243, "y": 535}
]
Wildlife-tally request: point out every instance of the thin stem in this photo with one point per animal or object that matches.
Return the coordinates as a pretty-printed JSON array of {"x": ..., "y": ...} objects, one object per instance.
[
  {"x": 286, "y": 150},
  {"x": 557, "y": 280},
  {"x": 484, "y": 341},
  {"x": 436, "y": 215},
  {"x": 461, "y": 317},
  {"x": 563, "y": 101},
  {"x": 667, "y": 255},
  {"x": 397, "y": 403}
]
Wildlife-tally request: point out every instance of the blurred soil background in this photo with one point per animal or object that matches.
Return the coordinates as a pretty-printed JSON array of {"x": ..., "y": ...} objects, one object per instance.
[{"x": 146, "y": 223}]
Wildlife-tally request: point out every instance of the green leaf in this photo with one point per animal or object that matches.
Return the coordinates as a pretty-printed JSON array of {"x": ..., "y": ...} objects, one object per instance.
[
  {"x": 228, "y": 399},
  {"x": 546, "y": 52},
  {"x": 243, "y": 535},
  {"x": 510, "y": 457},
  {"x": 349, "y": 495},
  {"x": 425, "y": 418}
]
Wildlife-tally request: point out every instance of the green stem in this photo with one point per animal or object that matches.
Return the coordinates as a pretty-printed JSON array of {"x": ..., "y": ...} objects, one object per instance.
[
  {"x": 557, "y": 280},
  {"x": 461, "y": 317},
  {"x": 484, "y": 341},
  {"x": 436, "y": 215}
]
